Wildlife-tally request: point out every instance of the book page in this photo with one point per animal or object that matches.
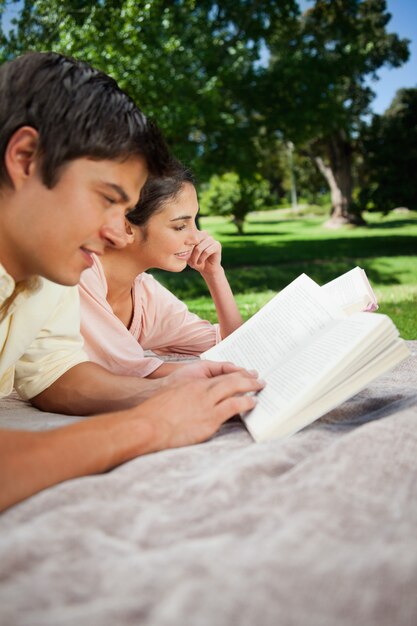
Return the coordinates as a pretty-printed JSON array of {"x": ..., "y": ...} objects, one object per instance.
[
  {"x": 381, "y": 363},
  {"x": 352, "y": 291},
  {"x": 291, "y": 319},
  {"x": 309, "y": 372}
]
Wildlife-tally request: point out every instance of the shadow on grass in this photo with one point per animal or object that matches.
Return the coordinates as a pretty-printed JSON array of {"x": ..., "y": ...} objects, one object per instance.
[
  {"x": 402, "y": 312},
  {"x": 258, "y": 279},
  {"x": 244, "y": 252},
  {"x": 257, "y": 266},
  {"x": 290, "y": 220},
  {"x": 391, "y": 224},
  {"x": 257, "y": 233}
]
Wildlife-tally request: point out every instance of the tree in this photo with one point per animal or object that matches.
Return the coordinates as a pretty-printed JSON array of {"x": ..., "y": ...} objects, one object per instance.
[
  {"x": 390, "y": 145},
  {"x": 233, "y": 196},
  {"x": 189, "y": 64},
  {"x": 318, "y": 85},
  {"x": 273, "y": 164},
  {"x": 226, "y": 80}
]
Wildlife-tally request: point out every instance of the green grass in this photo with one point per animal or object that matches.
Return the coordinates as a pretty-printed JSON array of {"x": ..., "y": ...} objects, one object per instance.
[{"x": 278, "y": 246}]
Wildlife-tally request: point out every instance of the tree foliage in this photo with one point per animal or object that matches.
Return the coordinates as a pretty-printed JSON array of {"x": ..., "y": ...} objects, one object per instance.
[
  {"x": 390, "y": 145},
  {"x": 190, "y": 64},
  {"x": 230, "y": 82}
]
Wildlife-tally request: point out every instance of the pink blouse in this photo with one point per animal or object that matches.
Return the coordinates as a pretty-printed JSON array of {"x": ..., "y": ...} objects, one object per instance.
[{"x": 161, "y": 323}]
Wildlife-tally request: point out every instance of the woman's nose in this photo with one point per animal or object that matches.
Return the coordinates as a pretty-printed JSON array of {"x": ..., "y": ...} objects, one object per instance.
[{"x": 193, "y": 237}]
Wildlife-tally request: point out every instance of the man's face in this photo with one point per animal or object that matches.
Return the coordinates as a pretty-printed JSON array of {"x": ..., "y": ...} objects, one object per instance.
[{"x": 61, "y": 227}]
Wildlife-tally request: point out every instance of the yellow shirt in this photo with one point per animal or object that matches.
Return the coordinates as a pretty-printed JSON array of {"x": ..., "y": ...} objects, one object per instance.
[{"x": 39, "y": 335}]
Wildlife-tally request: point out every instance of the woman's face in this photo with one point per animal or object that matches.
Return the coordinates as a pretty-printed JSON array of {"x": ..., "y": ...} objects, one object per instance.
[{"x": 168, "y": 239}]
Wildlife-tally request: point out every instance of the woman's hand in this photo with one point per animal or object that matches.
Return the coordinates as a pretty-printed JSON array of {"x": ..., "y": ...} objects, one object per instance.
[
  {"x": 206, "y": 259},
  {"x": 206, "y": 256}
]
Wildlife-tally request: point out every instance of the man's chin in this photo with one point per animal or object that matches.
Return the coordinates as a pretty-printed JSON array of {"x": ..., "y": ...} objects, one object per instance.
[{"x": 66, "y": 281}]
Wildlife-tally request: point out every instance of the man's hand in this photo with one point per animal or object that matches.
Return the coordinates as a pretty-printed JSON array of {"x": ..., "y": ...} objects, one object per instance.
[
  {"x": 203, "y": 369},
  {"x": 190, "y": 412}
]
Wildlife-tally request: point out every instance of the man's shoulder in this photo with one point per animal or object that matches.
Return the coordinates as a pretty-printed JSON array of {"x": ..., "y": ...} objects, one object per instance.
[
  {"x": 44, "y": 300},
  {"x": 49, "y": 289}
]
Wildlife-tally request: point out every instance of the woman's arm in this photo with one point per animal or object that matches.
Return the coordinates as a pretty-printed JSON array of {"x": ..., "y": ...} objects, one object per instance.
[
  {"x": 166, "y": 369},
  {"x": 107, "y": 341},
  {"x": 206, "y": 259}
]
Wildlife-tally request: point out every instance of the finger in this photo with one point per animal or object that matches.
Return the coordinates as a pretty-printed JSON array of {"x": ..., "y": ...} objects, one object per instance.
[
  {"x": 201, "y": 249},
  {"x": 216, "y": 368},
  {"x": 203, "y": 245},
  {"x": 234, "y": 406},
  {"x": 207, "y": 370},
  {"x": 236, "y": 383},
  {"x": 202, "y": 236},
  {"x": 209, "y": 249},
  {"x": 192, "y": 260},
  {"x": 211, "y": 255},
  {"x": 198, "y": 248},
  {"x": 206, "y": 240}
]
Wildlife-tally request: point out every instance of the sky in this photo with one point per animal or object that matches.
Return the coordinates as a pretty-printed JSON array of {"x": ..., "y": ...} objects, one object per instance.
[{"x": 403, "y": 22}]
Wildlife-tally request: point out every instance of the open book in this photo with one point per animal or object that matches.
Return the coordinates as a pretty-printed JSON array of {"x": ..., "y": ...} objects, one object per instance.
[
  {"x": 352, "y": 291},
  {"x": 315, "y": 348}
]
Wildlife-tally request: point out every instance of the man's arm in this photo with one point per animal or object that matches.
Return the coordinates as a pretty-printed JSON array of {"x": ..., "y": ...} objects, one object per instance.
[
  {"x": 180, "y": 415},
  {"x": 88, "y": 388}
]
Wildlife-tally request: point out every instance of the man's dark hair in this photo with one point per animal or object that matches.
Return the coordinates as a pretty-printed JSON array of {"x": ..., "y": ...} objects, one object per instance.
[
  {"x": 157, "y": 191},
  {"x": 77, "y": 110}
]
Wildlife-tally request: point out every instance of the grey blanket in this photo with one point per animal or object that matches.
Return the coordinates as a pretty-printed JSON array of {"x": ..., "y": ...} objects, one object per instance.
[{"x": 319, "y": 529}]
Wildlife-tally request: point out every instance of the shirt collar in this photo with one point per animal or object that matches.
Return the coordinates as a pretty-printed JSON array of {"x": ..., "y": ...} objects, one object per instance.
[{"x": 8, "y": 285}]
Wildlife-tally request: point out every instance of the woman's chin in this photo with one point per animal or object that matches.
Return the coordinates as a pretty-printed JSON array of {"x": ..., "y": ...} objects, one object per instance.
[{"x": 177, "y": 266}]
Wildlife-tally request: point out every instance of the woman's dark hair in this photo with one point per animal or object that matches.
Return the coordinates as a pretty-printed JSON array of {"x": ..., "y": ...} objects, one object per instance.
[
  {"x": 78, "y": 111},
  {"x": 157, "y": 191}
]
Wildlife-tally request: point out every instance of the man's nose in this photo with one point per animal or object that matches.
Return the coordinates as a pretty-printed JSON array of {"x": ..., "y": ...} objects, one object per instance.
[{"x": 114, "y": 231}]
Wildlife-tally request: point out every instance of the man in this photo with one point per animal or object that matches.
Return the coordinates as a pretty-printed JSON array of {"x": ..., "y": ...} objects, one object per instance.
[{"x": 75, "y": 152}]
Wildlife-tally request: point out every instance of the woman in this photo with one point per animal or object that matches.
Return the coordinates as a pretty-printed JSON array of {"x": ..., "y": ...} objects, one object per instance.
[{"x": 125, "y": 312}]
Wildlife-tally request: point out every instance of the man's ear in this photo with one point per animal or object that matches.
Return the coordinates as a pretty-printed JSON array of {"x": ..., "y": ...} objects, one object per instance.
[
  {"x": 20, "y": 156},
  {"x": 130, "y": 232}
]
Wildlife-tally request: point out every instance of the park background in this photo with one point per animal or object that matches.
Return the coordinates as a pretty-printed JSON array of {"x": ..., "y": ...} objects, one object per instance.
[{"x": 299, "y": 120}]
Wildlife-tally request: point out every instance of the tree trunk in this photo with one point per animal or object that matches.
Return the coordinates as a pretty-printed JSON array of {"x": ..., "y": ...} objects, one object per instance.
[
  {"x": 238, "y": 222},
  {"x": 338, "y": 175}
]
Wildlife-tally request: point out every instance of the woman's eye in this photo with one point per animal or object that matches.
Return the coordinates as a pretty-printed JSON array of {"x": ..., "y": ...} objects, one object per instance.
[
  {"x": 180, "y": 227},
  {"x": 109, "y": 200}
]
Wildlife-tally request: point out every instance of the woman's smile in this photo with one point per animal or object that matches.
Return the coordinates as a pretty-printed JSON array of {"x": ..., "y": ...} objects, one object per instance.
[{"x": 185, "y": 255}]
